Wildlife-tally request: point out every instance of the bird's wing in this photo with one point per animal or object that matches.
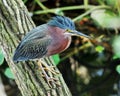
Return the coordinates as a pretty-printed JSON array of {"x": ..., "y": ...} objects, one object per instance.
[
  {"x": 37, "y": 32},
  {"x": 32, "y": 46}
]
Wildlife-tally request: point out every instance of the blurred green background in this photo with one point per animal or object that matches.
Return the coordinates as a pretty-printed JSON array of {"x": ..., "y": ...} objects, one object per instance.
[{"x": 89, "y": 67}]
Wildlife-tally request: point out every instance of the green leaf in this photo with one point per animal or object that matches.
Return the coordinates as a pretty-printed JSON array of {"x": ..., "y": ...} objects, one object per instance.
[
  {"x": 111, "y": 2},
  {"x": 56, "y": 59},
  {"x": 25, "y": 1},
  {"x": 1, "y": 57},
  {"x": 115, "y": 56},
  {"x": 118, "y": 69},
  {"x": 99, "y": 48},
  {"x": 8, "y": 73},
  {"x": 106, "y": 19},
  {"x": 116, "y": 47}
]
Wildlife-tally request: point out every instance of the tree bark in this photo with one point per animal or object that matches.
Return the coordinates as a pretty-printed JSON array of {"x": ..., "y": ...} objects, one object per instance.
[{"x": 14, "y": 23}]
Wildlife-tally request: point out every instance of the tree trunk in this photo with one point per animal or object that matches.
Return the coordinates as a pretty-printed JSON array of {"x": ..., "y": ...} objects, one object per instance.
[{"x": 14, "y": 23}]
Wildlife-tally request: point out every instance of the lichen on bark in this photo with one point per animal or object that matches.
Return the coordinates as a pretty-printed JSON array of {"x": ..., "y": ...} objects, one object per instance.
[{"x": 15, "y": 22}]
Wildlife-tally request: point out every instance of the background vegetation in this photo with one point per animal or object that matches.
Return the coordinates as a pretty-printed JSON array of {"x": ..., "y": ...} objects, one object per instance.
[{"x": 89, "y": 67}]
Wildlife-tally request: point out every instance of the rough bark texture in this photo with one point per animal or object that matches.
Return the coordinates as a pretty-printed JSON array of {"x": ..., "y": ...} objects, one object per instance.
[{"x": 14, "y": 23}]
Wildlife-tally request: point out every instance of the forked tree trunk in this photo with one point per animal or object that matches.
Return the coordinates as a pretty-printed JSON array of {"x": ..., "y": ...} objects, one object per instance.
[{"x": 14, "y": 23}]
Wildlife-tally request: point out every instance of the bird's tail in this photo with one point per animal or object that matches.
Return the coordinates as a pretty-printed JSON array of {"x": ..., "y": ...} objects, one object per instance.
[{"x": 17, "y": 55}]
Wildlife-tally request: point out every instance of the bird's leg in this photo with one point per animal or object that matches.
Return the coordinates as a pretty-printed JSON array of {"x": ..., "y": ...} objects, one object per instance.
[{"x": 44, "y": 68}]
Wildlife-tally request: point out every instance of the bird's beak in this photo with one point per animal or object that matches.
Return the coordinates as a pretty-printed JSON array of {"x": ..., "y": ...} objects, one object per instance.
[{"x": 77, "y": 33}]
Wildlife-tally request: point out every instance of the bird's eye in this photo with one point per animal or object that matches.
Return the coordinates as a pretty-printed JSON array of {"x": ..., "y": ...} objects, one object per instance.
[{"x": 68, "y": 30}]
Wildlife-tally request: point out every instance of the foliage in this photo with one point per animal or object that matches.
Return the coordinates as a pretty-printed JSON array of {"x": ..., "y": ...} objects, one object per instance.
[
  {"x": 7, "y": 71},
  {"x": 1, "y": 57},
  {"x": 118, "y": 69},
  {"x": 106, "y": 19},
  {"x": 116, "y": 47},
  {"x": 99, "y": 48},
  {"x": 56, "y": 59}
]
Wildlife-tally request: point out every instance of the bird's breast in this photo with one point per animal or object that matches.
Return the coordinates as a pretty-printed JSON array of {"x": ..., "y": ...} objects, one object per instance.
[{"x": 58, "y": 45}]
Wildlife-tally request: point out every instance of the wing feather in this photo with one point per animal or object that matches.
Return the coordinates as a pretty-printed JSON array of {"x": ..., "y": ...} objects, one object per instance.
[{"x": 34, "y": 45}]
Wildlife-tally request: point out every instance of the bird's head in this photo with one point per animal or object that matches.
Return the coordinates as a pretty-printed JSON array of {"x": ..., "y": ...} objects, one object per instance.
[{"x": 67, "y": 24}]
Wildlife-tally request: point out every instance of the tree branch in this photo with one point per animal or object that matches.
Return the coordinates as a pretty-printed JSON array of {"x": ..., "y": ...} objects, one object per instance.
[{"x": 14, "y": 20}]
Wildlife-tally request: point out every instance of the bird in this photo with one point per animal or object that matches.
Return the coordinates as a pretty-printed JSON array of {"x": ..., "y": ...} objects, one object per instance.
[{"x": 47, "y": 39}]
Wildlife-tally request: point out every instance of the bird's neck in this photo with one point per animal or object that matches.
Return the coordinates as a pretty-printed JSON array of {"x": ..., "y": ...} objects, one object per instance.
[
  {"x": 58, "y": 34},
  {"x": 61, "y": 41},
  {"x": 55, "y": 31}
]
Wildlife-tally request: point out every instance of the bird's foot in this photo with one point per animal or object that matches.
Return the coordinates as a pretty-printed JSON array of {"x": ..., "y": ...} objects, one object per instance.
[
  {"x": 51, "y": 80},
  {"x": 48, "y": 68},
  {"x": 45, "y": 73},
  {"x": 51, "y": 69}
]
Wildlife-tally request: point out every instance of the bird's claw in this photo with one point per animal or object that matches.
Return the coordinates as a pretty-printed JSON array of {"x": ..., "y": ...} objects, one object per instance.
[
  {"x": 51, "y": 80},
  {"x": 51, "y": 69},
  {"x": 45, "y": 71}
]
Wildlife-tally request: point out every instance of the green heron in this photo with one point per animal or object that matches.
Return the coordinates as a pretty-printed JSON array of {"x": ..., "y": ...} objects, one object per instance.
[{"x": 46, "y": 40}]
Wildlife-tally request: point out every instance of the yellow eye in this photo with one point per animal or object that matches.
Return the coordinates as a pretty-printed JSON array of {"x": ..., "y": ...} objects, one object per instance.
[{"x": 68, "y": 30}]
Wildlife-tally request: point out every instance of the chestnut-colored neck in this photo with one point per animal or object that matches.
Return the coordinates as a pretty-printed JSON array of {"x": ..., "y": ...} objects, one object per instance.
[{"x": 61, "y": 41}]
